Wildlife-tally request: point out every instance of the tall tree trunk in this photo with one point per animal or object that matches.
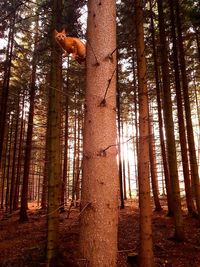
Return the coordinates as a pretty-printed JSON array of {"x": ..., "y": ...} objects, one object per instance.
[
  {"x": 65, "y": 163},
  {"x": 4, "y": 165},
  {"x": 8, "y": 164},
  {"x": 160, "y": 119},
  {"x": 99, "y": 203},
  {"x": 13, "y": 182},
  {"x": 181, "y": 122},
  {"x": 123, "y": 162},
  {"x": 136, "y": 149},
  {"x": 53, "y": 142},
  {"x": 45, "y": 175},
  {"x": 189, "y": 126},
  {"x": 78, "y": 165},
  {"x": 19, "y": 160},
  {"x": 169, "y": 129},
  {"x": 119, "y": 143},
  {"x": 129, "y": 180},
  {"x": 153, "y": 165},
  {"x": 146, "y": 248},
  {"x": 75, "y": 150},
  {"x": 28, "y": 147},
  {"x": 6, "y": 82}
]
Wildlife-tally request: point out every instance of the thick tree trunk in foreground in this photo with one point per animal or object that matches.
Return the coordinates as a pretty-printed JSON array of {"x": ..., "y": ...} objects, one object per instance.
[{"x": 99, "y": 214}]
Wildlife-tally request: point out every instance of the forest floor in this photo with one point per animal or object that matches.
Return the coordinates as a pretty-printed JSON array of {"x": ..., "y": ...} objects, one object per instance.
[{"x": 24, "y": 244}]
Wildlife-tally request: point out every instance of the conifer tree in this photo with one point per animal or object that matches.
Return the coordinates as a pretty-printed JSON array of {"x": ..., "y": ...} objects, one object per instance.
[
  {"x": 53, "y": 139},
  {"x": 169, "y": 129},
  {"x": 146, "y": 247},
  {"x": 189, "y": 126},
  {"x": 99, "y": 203}
]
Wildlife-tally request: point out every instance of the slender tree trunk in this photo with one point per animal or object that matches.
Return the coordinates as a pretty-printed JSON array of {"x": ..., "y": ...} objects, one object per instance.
[
  {"x": 16, "y": 193},
  {"x": 13, "y": 182},
  {"x": 3, "y": 181},
  {"x": 45, "y": 176},
  {"x": 181, "y": 122},
  {"x": 146, "y": 248},
  {"x": 28, "y": 147},
  {"x": 119, "y": 144},
  {"x": 136, "y": 150},
  {"x": 153, "y": 165},
  {"x": 160, "y": 120},
  {"x": 65, "y": 163},
  {"x": 75, "y": 151},
  {"x": 78, "y": 165},
  {"x": 4, "y": 165},
  {"x": 53, "y": 142},
  {"x": 196, "y": 92},
  {"x": 198, "y": 42},
  {"x": 6, "y": 82},
  {"x": 189, "y": 126},
  {"x": 123, "y": 162},
  {"x": 169, "y": 129},
  {"x": 129, "y": 181},
  {"x": 38, "y": 189},
  {"x": 8, "y": 164},
  {"x": 99, "y": 203}
]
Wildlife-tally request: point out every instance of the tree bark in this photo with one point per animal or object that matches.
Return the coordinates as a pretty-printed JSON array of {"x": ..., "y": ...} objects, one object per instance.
[
  {"x": 28, "y": 147},
  {"x": 65, "y": 163},
  {"x": 189, "y": 126},
  {"x": 146, "y": 257},
  {"x": 13, "y": 180},
  {"x": 160, "y": 120},
  {"x": 119, "y": 145},
  {"x": 169, "y": 129},
  {"x": 16, "y": 193},
  {"x": 181, "y": 122},
  {"x": 6, "y": 82},
  {"x": 153, "y": 165},
  {"x": 99, "y": 203},
  {"x": 53, "y": 140}
]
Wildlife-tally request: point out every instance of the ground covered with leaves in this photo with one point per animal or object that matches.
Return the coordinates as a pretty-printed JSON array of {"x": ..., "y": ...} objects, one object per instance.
[{"x": 24, "y": 244}]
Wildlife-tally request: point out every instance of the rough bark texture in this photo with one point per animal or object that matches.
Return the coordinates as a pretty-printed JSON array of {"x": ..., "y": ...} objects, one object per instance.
[
  {"x": 99, "y": 204},
  {"x": 146, "y": 247}
]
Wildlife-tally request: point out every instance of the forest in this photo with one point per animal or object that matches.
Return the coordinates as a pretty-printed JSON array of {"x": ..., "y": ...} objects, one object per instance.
[{"x": 99, "y": 133}]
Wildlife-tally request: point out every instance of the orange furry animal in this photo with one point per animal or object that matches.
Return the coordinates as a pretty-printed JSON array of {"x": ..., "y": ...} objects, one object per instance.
[{"x": 71, "y": 45}]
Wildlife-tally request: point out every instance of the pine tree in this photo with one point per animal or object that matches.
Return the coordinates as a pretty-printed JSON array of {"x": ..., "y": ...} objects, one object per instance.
[
  {"x": 99, "y": 203},
  {"x": 146, "y": 246},
  {"x": 169, "y": 129},
  {"x": 53, "y": 139}
]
